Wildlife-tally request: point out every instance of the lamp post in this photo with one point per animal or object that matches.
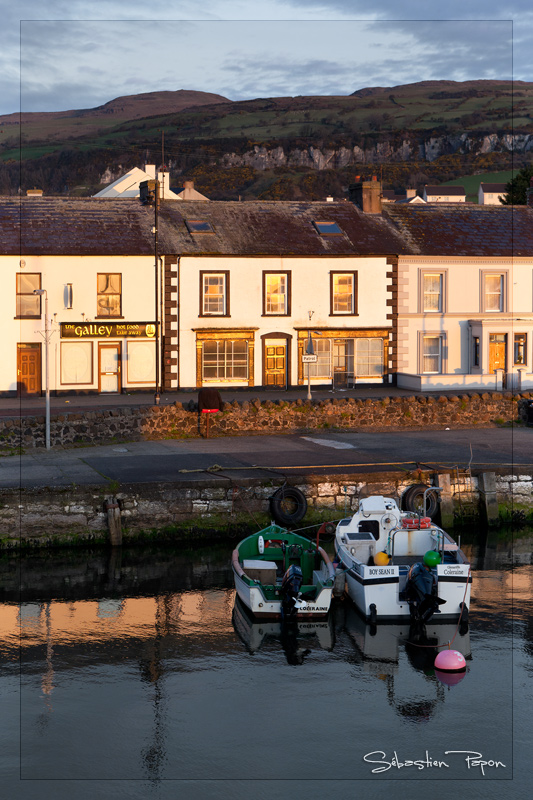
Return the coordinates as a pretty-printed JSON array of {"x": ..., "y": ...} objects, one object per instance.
[{"x": 42, "y": 292}]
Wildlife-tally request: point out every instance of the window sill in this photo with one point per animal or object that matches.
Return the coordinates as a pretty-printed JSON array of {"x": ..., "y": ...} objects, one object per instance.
[
  {"x": 37, "y": 316},
  {"x": 275, "y": 315},
  {"x": 98, "y": 316},
  {"x": 348, "y": 314},
  {"x": 214, "y": 316}
]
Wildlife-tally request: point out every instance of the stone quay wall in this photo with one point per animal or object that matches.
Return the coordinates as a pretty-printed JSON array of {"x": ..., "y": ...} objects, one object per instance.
[
  {"x": 176, "y": 421},
  {"x": 219, "y": 507}
]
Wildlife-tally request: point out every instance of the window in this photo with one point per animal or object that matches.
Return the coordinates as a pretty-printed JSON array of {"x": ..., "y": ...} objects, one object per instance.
[
  {"x": 276, "y": 291},
  {"x": 76, "y": 363},
  {"x": 343, "y": 293},
  {"x": 322, "y": 366},
  {"x": 109, "y": 299},
  {"x": 493, "y": 292},
  {"x": 432, "y": 300},
  {"x": 224, "y": 360},
  {"x": 432, "y": 354},
  {"x": 326, "y": 228},
  {"x": 520, "y": 348},
  {"x": 369, "y": 362},
  {"x": 28, "y": 304},
  {"x": 476, "y": 354},
  {"x": 198, "y": 226},
  {"x": 214, "y": 288}
]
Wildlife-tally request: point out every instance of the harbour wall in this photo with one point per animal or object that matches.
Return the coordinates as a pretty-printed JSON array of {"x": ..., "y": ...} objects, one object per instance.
[
  {"x": 220, "y": 507},
  {"x": 181, "y": 420}
]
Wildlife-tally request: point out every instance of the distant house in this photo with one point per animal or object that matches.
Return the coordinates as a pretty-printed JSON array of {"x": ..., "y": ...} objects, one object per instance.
[
  {"x": 489, "y": 194},
  {"x": 407, "y": 196},
  {"x": 444, "y": 194},
  {"x": 128, "y": 185}
]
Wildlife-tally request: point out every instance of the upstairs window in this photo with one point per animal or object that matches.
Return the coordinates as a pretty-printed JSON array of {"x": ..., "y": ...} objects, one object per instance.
[
  {"x": 343, "y": 293},
  {"x": 276, "y": 293},
  {"x": 432, "y": 300},
  {"x": 28, "y": 304},
  {"x": 109, "y": 294},
  {"x": 214, "y": 287},
  {"x": 493, "y": 292}
]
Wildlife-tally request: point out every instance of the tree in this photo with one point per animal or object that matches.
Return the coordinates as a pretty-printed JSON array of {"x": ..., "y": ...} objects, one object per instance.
[{"x": 517, "y": 187}]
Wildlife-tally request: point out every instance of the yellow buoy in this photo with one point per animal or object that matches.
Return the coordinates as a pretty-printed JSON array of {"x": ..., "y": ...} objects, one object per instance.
[{"x": 381, "y": 559}]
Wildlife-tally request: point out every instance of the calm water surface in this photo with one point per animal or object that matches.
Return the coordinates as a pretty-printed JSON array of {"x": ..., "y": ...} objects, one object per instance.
[{"x": 134, "y": 674}]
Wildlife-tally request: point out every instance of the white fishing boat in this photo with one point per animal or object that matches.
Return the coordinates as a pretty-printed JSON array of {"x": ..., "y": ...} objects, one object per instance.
[
  {"x": 280, "y": 574},
  {"x": 400, "y": 564}
]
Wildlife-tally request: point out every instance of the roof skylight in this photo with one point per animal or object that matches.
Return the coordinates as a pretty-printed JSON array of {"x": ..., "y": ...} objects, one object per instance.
[
  {"x": 198, "y": 226},
  {"x": 326, "y": 228}
]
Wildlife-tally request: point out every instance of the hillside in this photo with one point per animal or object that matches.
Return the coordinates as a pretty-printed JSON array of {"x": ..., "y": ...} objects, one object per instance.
[{"x": 278, "y": 148}]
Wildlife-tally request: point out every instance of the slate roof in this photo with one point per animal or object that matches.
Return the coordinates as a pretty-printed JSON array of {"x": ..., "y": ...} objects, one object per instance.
[
  {"x": 278, "y": 228},
  {"x": 74, "y": 226},
  {"x": 496, "y": 188},
  {"x": 464, "y": 230},
  {"x": 91, "y": 226}
]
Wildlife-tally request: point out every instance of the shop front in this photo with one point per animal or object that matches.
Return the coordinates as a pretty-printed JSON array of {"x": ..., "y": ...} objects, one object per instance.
[{"x": 107, "y": 357}]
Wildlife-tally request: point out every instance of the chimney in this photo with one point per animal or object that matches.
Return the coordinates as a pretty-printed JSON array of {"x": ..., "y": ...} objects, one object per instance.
[
  {"x": 188, "y": 189},
  {"x": 34, "y": 192},
  {"x": 529, "y": 194},
  {"x": 150, "y": 170},
  {"x": 410, "y": 193},
  {"x": 366, "y": 195}
]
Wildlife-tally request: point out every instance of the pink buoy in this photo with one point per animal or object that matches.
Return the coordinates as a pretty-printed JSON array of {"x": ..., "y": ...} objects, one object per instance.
[{"x": 450, "y": 661}]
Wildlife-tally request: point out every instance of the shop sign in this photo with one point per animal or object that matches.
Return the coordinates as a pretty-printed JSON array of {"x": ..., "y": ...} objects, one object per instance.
[{"x": 107, "y": 330}]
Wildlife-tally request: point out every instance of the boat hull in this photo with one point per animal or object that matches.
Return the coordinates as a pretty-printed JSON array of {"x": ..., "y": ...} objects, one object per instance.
[
  {"x": 255, "y": 601},
  {"x": 383, "y": 588}
]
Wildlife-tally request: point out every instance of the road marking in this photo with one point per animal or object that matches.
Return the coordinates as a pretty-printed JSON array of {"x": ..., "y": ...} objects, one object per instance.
[{"x": 330, "y": 443}]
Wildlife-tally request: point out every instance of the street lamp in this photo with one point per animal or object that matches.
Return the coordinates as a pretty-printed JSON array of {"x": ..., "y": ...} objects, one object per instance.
[{"x": 42, "y": 292}]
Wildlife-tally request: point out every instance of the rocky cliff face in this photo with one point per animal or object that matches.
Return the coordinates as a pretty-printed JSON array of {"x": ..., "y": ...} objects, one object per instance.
[{"x": 426, "y": 149}]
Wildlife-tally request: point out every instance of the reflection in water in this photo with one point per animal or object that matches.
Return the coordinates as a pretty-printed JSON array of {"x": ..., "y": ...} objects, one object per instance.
[{"x": 161, "y": 675}]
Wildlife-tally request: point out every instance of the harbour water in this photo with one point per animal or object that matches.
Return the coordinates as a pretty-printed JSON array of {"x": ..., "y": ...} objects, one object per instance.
[{"x": 133, "y": 674}]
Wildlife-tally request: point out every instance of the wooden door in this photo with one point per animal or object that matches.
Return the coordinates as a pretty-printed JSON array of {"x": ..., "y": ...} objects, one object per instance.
[
  {"x": 276, "y": 365},
  {"x": 28, "y": 369},
  {"x": 109, "y": 367},
  {"x": 497, "y": 351}
]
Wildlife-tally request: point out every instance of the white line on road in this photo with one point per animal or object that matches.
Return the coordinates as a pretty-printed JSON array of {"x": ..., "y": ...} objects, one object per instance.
[{"x": 330, "y": 443}]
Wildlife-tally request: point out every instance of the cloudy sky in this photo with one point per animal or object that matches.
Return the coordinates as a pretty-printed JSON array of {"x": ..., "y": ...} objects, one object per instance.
[{"x": 66, "y": 54}]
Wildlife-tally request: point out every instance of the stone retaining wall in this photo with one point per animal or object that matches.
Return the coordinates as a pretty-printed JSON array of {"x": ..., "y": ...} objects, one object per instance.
[
  {"x": 179, "y": 420},
  {"x": 215, "y": 507}
]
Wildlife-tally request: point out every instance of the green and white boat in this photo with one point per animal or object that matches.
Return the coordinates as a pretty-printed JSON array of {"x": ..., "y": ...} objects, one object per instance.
[{"x": 282, "y": 575}]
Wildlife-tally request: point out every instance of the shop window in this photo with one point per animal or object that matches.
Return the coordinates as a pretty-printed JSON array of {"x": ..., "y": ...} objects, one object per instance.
[
  {"x": 225, "y": 360},
  {"x": 109, "y": 299},
  {"x": 520, "y": 348},
  {"x": 343, "y": 293},
  {"x": 214, "y": 290},
  {"x": 76, "y": 363},
  {"x": 276, "y": 299},
  {"x": 322, "y": 366},
  {"x": 28, "y": 303},
  {"x": 369, "y": 361}
]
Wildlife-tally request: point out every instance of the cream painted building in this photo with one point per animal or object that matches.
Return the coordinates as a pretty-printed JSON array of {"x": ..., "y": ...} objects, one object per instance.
[
  {"x": 249, "y": 281},
  {"x": 91, "y": 264}
]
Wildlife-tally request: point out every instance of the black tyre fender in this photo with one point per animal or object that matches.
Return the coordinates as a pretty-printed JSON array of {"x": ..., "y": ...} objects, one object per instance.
[
  {"x": 373, "y": 616},
  {"x": 413, "y": 499},
  {"x": 288, "y": 506}
]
